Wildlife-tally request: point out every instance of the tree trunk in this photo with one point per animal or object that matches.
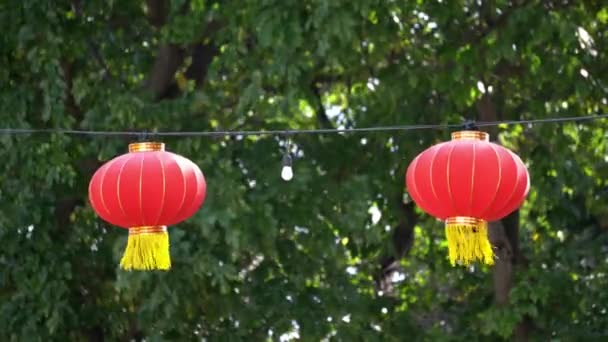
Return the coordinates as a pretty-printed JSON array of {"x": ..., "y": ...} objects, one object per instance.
[{"x": 504, "y": 237}]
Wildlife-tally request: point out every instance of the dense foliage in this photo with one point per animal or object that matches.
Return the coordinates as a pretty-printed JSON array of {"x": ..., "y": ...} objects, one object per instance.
[{"x": 339, "y": 252}]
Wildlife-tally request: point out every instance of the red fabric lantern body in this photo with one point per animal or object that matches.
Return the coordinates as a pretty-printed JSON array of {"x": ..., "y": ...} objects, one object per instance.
[
  {"x": 467, "y": 182},
  {"x": 144, "y": 191}
]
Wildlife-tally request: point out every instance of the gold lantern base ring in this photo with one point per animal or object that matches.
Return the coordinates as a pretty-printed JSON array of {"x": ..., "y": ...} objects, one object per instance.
[
  {"x": 147, "y": 249},
  {"x": 468, "y": 241}
]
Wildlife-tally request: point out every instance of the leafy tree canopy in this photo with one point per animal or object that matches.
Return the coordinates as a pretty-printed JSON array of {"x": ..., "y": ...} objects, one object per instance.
[{"x": 338, "y": 253}]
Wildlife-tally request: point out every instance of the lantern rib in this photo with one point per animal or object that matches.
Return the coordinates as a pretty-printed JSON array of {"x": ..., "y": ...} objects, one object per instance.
[
  {"x": 181, "y": 206},
  {"x": 162, "y": 203},
  {"x": 118, "y": 190},
  {"x": 514, "y": 187},
  {"x": 414, "y": 186},
  {"x": 142, "y": 219},
  {"x": 190, "y": 207},
  {"x": 448, "y": 179},
  {"x": 103, "y": 201},
  {"x": 518, "y": 160},
  {"x": 498, "y": 183},
  {"x": 472, "y": 179},
  {"x": 431, "y": 172},
  {"x": 522, "y": 171}
]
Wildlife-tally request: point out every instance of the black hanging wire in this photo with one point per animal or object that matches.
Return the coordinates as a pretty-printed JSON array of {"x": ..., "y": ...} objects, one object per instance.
[
  {"x": 143, "y": 136},
  {"x": 15, "y": 131},
  {"x": 470, "y": 125}
]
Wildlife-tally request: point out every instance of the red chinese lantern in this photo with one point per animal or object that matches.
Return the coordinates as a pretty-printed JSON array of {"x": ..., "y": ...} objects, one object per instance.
[
  {"x": 145, "y": 191},
  {"x": 467, "y": 182}
]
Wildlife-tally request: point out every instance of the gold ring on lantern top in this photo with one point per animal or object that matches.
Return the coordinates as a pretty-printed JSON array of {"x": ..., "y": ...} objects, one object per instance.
[
  {"x": 471, "y": 135},
  {"x": 146, "y": 146}
]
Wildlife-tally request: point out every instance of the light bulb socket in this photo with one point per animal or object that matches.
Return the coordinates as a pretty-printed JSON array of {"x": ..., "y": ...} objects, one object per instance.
[{"x": 287, "y": 160}]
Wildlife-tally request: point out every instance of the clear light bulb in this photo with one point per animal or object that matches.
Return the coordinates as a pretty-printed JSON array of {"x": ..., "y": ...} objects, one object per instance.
[{"x": 287, "y": 171}]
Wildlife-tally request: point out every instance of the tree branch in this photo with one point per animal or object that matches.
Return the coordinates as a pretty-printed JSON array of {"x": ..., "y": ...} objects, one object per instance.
[
  {"x": 403, "y": 239},
  {"x": 492, "y": 23},
  {"x": 203, "y": 54},
  {"x": 93, "y": 48},
  {"x": 322, "y": 117},
  {"x": 157, "y": 12},
  {"x": 168, "y": 59},
  {"x": 69, "y": 101},
  {"x": 171, "y": 56}
]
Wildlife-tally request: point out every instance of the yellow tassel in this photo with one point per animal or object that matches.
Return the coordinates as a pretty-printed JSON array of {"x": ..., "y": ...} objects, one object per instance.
[
  {"x": 468, "y": 241},
  {"x": 147, "y": 249}
]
